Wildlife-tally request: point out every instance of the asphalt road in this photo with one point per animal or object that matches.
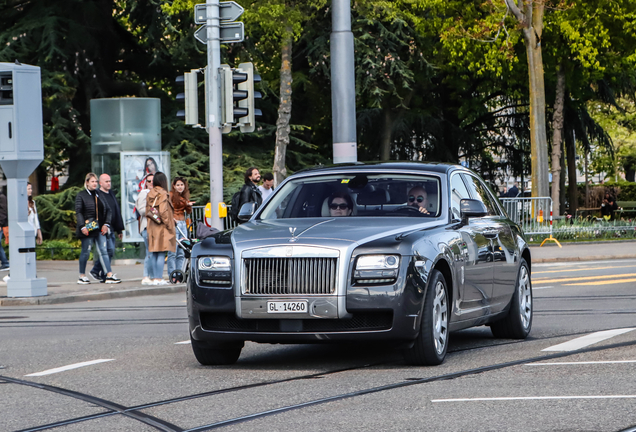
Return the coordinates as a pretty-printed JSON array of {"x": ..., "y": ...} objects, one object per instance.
[{"x": 142, "y": 378}]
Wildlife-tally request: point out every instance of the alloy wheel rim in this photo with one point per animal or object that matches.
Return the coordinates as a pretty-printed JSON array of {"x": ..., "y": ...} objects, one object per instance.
[
  {"x": 525, "y": 297},
  {"x": 440, "y": 318}
]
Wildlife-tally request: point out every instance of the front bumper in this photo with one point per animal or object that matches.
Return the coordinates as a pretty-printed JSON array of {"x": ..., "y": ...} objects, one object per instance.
[{"x": 389, "y": 313}]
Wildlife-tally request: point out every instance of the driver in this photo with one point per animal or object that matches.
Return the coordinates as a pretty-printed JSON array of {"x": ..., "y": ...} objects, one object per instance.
[
  {"x": 340, "y": 204},
  {"x": 418, "y": 198}
]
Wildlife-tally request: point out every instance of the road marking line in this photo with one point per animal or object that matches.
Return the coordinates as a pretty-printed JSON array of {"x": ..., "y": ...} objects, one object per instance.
[
  {"x": 540, "y": 288},
  {"x": 182, "y": 343},
  {"x": 587, "y": 340},
  {"x": 611, "y": 282},
  {"x": 69, "y": 367},
  {"x": 581, "y": 263},
  {"x": 587, "y": 278},
  {"x": 581, "y": 363},
  {"x": 581, "y": 268},
  {"x": 534, "y": 398}
]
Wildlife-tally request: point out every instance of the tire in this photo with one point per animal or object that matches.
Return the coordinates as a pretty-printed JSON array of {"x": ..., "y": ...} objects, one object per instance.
[
  {"x": 431, "y": 344},
  {"x": 213, "y": 354},
  {"x": 518, "y": 323}
]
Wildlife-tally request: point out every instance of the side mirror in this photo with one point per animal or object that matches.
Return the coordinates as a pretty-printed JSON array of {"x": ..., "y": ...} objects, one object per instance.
[
  {"x": 247, "y": 211},
  {"x": 471, "y": 208}
]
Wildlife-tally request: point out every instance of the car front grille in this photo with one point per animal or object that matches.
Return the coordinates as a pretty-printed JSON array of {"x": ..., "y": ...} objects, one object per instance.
[
  {"x": 289, "y": 276},
  {"x": 362, "y": 321}
]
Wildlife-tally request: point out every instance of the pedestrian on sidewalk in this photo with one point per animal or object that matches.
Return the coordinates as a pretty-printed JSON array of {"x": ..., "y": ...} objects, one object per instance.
[
  {"x": 116, "y": 227},
  {"x": 93, "y": 222},
  {"x": 161, "y": 227},
  {"x": 267, "y": 188},
  {"x": 180, "y": 198},
  {"x": 140, "y": 206},
  {"x": 4, "y": 223},
  {"x": 32, "y": 217}
]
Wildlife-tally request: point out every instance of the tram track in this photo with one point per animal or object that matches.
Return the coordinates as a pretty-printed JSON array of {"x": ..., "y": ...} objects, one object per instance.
[{"x": 134, "y": 412}]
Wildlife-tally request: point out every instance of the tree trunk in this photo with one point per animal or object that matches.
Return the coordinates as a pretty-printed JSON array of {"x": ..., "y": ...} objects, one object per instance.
[
  {"x": 573, "y": 195},
  {"x": 385, "y": 139},
  {"x": 562, "y": 182},
  {"x": 557, "y": 141},
  {"x": 284, "y": 110},
  {"x": 531, "y": 20}
]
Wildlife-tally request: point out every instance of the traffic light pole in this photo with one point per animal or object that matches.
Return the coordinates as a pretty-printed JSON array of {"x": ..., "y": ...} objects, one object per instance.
[
  {"x": 213, "y": 120},
  {"x": 343, "y": 84}
]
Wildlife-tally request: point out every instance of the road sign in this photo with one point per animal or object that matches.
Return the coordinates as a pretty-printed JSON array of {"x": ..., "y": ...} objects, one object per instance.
[
  {"x": 230, "y": 33},
  {"x": 228, "y": 11}
]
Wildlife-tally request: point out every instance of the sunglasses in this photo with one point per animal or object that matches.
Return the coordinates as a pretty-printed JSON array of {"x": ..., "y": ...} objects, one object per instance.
[
  {"x": 339, "y": 206},
  {"x": 419, "y": 198}
]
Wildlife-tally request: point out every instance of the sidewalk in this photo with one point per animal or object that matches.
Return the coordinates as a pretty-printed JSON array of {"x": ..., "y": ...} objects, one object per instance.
[
  {"x": 583, "y": 251},
  {"x": 63, "y": 288}
]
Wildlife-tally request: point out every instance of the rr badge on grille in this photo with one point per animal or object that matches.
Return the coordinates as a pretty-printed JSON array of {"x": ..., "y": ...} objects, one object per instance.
[{"x": 289, "y": 251}]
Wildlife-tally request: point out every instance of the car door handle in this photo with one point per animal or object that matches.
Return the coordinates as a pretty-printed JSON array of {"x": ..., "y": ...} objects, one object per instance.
[{"x": 491, "y": 233}]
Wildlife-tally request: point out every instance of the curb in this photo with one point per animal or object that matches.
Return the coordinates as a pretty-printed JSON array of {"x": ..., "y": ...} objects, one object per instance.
[
  {"x": 91, "y": 296},
  {"x": 586, "y": 258}
]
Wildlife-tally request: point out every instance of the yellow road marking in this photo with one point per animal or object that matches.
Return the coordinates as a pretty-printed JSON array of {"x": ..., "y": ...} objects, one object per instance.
[
  {"x": 587, "y": 278},
  {"x": 579, "y": 269},
  {"x": 604, "y": 283}
]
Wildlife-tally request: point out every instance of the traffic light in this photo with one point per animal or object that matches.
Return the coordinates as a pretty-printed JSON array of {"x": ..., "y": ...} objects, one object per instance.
[
  {"x": 237, "y": 97},
  {"x": 230, "y": 95},
  {"x": 190, "y": 97},
  {"x": 248, "y": 122}
]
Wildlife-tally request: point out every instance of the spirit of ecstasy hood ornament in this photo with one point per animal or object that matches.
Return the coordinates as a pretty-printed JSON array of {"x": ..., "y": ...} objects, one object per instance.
[{"x": 292, "y": 231}]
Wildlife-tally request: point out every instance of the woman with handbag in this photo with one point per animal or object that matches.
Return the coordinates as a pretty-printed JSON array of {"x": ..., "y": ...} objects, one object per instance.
[
  {"x": 180, "y": 198},
  {"x": 93, "y": 223},
  {"x": 161, "y": 227}
]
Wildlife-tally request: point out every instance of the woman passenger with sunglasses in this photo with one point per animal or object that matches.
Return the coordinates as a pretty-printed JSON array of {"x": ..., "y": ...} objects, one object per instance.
[
  {"x": 417, "y": 197},
  {"x": 340, "y": 204}
]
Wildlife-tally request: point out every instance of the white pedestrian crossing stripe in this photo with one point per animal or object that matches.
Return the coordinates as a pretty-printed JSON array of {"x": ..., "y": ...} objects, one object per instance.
[{"x": 587, "y": 340}]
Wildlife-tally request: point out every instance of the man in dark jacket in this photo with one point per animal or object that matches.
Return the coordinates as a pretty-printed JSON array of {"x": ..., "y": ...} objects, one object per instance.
[
  {"x": 4, "y": 221},
  {"x": 93, "y": 223},
  {"x": 249, "y": 191},
  {"x": 116, "y": 226},
  {"x": 514, "y": 191}
]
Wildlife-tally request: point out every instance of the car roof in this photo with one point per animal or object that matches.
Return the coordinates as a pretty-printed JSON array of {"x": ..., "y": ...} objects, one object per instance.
[{"x": 436, "y": 167}]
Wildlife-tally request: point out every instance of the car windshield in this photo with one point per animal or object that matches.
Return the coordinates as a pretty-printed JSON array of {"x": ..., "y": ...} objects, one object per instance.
[{"x": 356, "y": 195}]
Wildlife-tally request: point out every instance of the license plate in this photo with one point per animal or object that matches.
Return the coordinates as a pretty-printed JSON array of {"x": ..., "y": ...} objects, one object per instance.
[{"x": 287, "y": 306}]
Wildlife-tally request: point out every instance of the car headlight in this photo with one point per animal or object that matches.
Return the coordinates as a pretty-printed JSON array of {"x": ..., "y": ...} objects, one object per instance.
[
  {"x": 376, "y": 269},
  {"x": 215, "y": 263},
  {"x": 215, "y": 271},
  {"x": 378, "y": 262}
]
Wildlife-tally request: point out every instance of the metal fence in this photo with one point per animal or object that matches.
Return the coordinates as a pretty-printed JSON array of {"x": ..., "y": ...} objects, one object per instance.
[
  {"x": 534, "y": 215},
  {"x": 198, "y": 215}
]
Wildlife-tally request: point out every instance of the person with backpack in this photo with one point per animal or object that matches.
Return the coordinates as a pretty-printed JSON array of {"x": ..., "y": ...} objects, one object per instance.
[{"x": 248, "y": 193}]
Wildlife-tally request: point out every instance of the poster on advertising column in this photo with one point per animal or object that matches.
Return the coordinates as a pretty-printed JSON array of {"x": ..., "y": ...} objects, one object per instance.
[{"x": 135, "y": 169}]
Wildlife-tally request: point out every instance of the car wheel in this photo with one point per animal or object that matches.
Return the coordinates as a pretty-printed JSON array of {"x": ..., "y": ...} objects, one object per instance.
[
  {"x": 518, "y": 322},
  {"x": 211, "y": 354},
  {"x": 432, "y": 343}
]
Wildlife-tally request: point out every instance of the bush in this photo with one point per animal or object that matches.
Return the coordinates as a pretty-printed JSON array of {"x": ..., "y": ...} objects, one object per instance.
[
  {"x": 59, "y": 250},
  {"x": 57, "y": 213}
]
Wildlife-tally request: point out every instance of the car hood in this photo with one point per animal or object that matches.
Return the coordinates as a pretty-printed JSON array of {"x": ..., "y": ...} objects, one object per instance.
[{"x": 310, "y": 230}]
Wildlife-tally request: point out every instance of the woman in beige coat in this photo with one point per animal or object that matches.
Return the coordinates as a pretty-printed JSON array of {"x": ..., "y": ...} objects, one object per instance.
[{"x": 161, "y": 231}]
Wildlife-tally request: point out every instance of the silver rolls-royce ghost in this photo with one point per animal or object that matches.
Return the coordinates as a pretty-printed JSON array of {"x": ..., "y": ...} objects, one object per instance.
[{"x": 395, "y": 253}]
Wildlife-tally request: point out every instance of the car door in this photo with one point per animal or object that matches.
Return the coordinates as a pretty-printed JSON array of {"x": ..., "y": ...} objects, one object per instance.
[
  {"x": 496, "y": 228},
  {"x": 475, "y": 286}
]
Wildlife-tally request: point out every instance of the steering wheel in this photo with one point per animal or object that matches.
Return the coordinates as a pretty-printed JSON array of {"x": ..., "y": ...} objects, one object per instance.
[{"x": 408, "y": 208}]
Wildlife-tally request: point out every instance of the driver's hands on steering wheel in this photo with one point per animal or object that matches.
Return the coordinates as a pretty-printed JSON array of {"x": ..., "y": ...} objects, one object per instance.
[{"x": 423, "y": 210}]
